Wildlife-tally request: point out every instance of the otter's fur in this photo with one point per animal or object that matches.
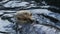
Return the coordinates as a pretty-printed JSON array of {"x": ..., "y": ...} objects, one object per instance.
[{"x": 23, "y": 16}]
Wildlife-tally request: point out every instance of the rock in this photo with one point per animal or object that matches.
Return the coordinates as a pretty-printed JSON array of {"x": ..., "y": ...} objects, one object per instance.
[{"x": 12, "y": 4}]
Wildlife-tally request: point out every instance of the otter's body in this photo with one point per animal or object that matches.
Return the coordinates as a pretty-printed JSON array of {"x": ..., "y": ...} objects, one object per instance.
[{"x": 24, "y": 17}]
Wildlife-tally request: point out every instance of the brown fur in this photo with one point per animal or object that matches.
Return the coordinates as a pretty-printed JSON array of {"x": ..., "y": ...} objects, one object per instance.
[{"x": 23, "y": 16}]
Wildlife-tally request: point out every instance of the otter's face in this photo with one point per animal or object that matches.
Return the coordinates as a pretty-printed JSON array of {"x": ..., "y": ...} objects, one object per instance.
[{"x": 23, "y": 17}]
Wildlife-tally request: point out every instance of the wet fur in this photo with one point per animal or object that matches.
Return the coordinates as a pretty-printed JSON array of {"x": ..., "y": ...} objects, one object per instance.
[{"x": 23, "y": 17}]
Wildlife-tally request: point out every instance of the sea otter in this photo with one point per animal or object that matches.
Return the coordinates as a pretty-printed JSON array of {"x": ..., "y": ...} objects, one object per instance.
[{"x": 23, "y": 17}]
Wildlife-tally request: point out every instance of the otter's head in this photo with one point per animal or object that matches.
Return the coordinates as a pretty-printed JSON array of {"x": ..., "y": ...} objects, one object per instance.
[{"x": 23, "y": 17}]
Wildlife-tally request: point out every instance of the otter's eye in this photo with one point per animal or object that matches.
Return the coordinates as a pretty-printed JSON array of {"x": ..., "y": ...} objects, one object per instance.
[{"x": 18, "y": 18}]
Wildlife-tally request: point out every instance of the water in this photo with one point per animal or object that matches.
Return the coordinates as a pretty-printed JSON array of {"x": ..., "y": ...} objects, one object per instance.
[{"x": 45, "y": 24}]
